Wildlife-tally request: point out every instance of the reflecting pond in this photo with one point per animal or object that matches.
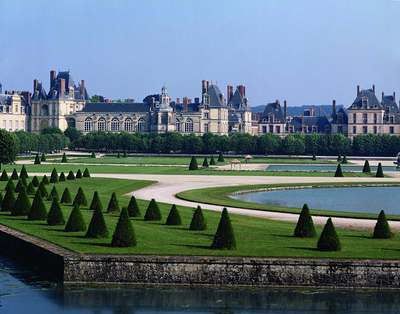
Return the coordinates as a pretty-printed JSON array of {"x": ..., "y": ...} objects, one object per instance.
[{"x": 324, "y": 168}]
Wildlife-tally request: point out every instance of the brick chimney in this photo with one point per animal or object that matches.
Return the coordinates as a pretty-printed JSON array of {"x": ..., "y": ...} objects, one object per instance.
[
  {"x": 35, "y": 84},
  {"x": 373, "y": 89},
  {"x": 189, "y": 101},
  {"x": 83, "y": 89},
  {"x": 27, "y": 97},
  {"x": 320, "y": 111},
  {"x": 277, "y": 102},
  {"x": 358, "y": 89},
  {"x": 62, "y": 87},
  {"x": 132, "y": 101},
  {"x": 241, "y": 91},
  {"x": 178, "y": 100},
  {"x": 196, "y": 100},
  {"x": 333, "y": 108},
  {"x": 383, "y": 96},
  {"x": 208, "y": 85},
  {"x": 203, "y": 87},
  {"x": 284, "y": 110},
  {"x": 394, "y": 96},
  {"x": 185, "y": 104},
  {"x": 311, "y": 111},
  {"x": 52, "y": 78}
]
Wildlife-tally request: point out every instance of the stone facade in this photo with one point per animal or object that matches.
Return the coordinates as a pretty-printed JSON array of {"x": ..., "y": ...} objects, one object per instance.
[{"x": 14, "y": 112}]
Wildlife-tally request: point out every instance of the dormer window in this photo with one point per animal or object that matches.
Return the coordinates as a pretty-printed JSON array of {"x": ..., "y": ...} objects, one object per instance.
[
  {"x": 387, "y": 109},
  {"x": 365, "y": 103},
  {"x": 264, "y": 120},
  {"x": 340, "y": 118},
  {"x": 271, "y": 118}
]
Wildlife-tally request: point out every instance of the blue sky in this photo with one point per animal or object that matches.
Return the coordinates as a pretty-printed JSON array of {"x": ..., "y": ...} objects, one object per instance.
[{"x": 308, "y": 52}]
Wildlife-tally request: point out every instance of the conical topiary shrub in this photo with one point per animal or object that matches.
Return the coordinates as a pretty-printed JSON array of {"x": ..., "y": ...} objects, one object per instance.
[
  {"x": 8, "y": 201},
  {"x": 53, "y": 194},
  {"x": 153, "y": 211},
  {"x": 212, "y": 161},
  {"x": 379, "y": 171},
  {"x": 124, "y": 235},
  {"x": 174, "y": 219},
  {"x": 4, "y": 176},
  {"x": 1, "y": 199},
  {"x": 305, "y": 226},
  {"x": 198, "y": 222},
  {"x": 382, "y": 229},
  {"x": 193, "y": 164},
  {"x": 366, "y": 167},
  {"x": 75, "y": 222},
  {"x": 314, "y": 157},
  {"x": 339, "y": 158},
  {"x": 338, "y": 172},
  {"x": 71, "y": 176},
  {"x": 205, "y": 162},
  {"x": 38, "y": 210},
  {"x": 55, "y": 216},
  {"x": 113, "y": 206},
  {"x": 221, "y": 157},
  {"x": 35, "y": 181},
  {"x": 23, "y": 173},
  {"x": 30, "y": 190},
  {"x": 79, "y": 174},
  {"x": 125, "y": 155},
  {"x": 22, "y": 205},
  {"x": 80, "y": 198},
  {"x": 43, "y": 190},
  {"x": 86, "y": 173},
  {"x": 64, "y": 158},
  {"x": 93, "y": 155},
  {"x": 62, "y": 177},
  {"x": 43, "y": 158},
  {"x": 14, "y": 175},
  {"x": 54, "y": 176},
  {"x": 37, "y": 159},
  {"x": 23, "y": 180},
  {"x": 10, "y": 185},
  {"x": 45, "y": 180},
  {"x": 97, "y": 227},
  {"x": 66, "y": 197},
  {"x": 133, "y": 208},
  {"x": 329, "y": 240},
  {"x": 344, "y": 161},
  {"x": 96, "y": 202},
  {"x": 224, "y": 237},
  {"x": 18, "y": 186}
]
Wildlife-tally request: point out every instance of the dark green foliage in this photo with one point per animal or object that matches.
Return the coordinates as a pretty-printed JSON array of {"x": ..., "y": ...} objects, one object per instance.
[
  {"x": 45, "y": 180},
  {"x": 379, "y": 171},
  {"x": 224, "y": 237},
  {"x": 314, "y": 157},
  {"x": 10, "y": 185},
  {"x": 133, "y": 208},
  {"x": 205, "y": 162},
  {"x": 97, "y": 227},
  {"x": 193, "y": 164},
  {"x": 125, "y": 155},
  {"x": 71, "y": 176},
  {"x": 124, "y": 235},
  {"x": 55, "y": 216},
  {"x": 43, "y": 158},
  {"x": 35, "y": 181},
  {"x": 329, "y": 240},
  {"x": 198, "y": 222},
  {"x": 113, "y": 206},
  {"x": 174, "y": 219},
  {"x": 339, "y": 158},
  {"x": 38, "y": 210},
  {"x": 43, "y": 190},
  {"x": 119, "y": 155},
  {"x": 8, "y": 201},
  {"x": 305, "y": 226},
  {"x": 153, "y": 211},
  {"x": 80, "y": 198},
  {"x": 66, "y": 197},
  {"x": 75, "y": 221},
  {"x": 86, "y": 173},
  {"x": 30, "y": 190},
  {"x": 14, "y": 175},
  {"x": 22, "y": 205},
  {"x": 96, "y": 203},
  {"x": 18, "y": 187},
  {"x": 62, "y": 177},
  {"x": 338, "y": 172},
  {"x": 53, "y": 194},
  {"x": 344, "y": 161},
  {"x": 366, "y": 167},
  {"x": 37, "y": 159},
  {"x": 23, "y": 173},
  {"x": 221, "y": 157},
  {"x": 23, "y": 180},
  {"x": 54, "y": 176},
  {"x": 4, "y": 176},
  {"x": 64, "y": 158},
  {"x": 79, "y": 174},
  {"x": 93, "y": 155},
  {"x": 1, "y": 199},
  {"x": 212, "y": 161},
  {"x": 382, "y": 229}
]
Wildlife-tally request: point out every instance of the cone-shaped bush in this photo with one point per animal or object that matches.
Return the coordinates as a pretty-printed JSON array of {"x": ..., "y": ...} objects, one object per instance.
[
  {"x": 133, "y": 208},
  {"x": 1, "y": 199},
  {"x": 35, "y": 181},
  {"x": 43, "y": 158},
  {"x": 96, "y": 202},
  {"x": 71, "y": 176},
  {"x": 75, "y": 221},
  {"x": 344, "y": 161},
  {"x": 38, "y": 210},
  {"x": 18, "y": 186},
  {"x": 221, "y": 157},
  {"x": 97, "y": 227},
  {"x": 382, "y": 229},
  {"x": 153, "y": 211},
  {"x": 174, "y": 219},
  {"x": 314, "y": 157},
  {"x": 8, "y": 201},
  {"x": 23, "y": 173},
  {"x": 193, "y": 164},
  {"x": 23, "y": 180},
  {"x": 329, "y": 240},
  {"x": 4, "y": 176},
  {"x": 379, "y": 171},
  {"x": 224, "y": 237},
  {"x": 66, "y": 197},
  {"x": 62, "y": 177},
  {"x": 305, "y": 226},
  {"x": 113, "y": 206},
  {"x": 30, "y": 190},
  {"x": 10, "y": 185},
  {"x": 53, "y": 194},
  {"x": 79, "y": 174},
  {"x": 205, "y": 162},
  {"x": 198, "y": 222},
  {"x": 55, "y": 216},
  {"x": 64, "y": 158},
  {"x": 14, "y": 175},
  {"x": 22, "y": 205},
  {"x": 119, "y": 155},
  {"x": 45, "y": 180},
  {"x": 37, "y": 159},
  {"x": 125, "y": 155},
  {"x": 93, "y": 155},
  {"x": 212, "y": 161},
  {"x": 80, "y": 198},
  {"x": 338, "y": 172},
  {"x": 366, "y": 167},
  {"x": 43, "y": 190},
  {"x": 54, "y": 176},
  {"x": 86, "y": 173},
  {"x": 339, "y": 158},
  {"x": 124, "y": 235}
]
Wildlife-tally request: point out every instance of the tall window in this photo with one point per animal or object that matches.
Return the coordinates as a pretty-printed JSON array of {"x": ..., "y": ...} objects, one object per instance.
[
  {"x": 142, "y": 126},
  {"x": 271, "y": 129},
  {"x": 128, "y": 125},
  {"x": 354, "y": 129},
  {"x": 365, "y": 130},
  {"x": 278, "y": 129},
  {"x": 177, "y": 125},
  {"x": 16, "y": 125},
  {"x": 88, "y": 124},
  {"x": 44, "y": 110},
  {"x": 206, "y": 128},
  {"x": 375, "y": 130},
  {"x": 102, "y": 124},
  {"x": 354, "y": 118},
  {"x": 391, "y": 119},
  {"x": 189, "y": 126},
  {"x": 375, "y": 118},
  {"x": 115, "y": 125},
  {"x": 391, "y": 130},
  {"x": 365, "y": 119}
]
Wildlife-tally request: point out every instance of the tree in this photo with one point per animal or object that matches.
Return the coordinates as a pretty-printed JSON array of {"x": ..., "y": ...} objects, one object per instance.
[
  {"x": 366, "y": 168},
  {"x": 23, "y": 173},
  {"x": 1, "y": 199},
  {"x": 43, "y": 158},
  {"x": 71, "y": 176},
  {"x": 79, "y": 174},
  {"x": 198, "y": 222},
  {"x": 97, "y": 226},
  {"x": 289, "y": 145},
  {"x": 53, "y": 194},
  {"x": 45, "y": 180},
  {"x": 153, "y": 211},
  {"x": 9, "y": 147},
  {"x": 221, "y": 157},
  {"x": 212, "y": 161},
  {"x": 124, "y": 235},
  {"x": 22, "y": 205},
  {"x": 62, "y": 177},
  {"x": 4, "y": 176},
  {"x": 35, "y": 181},
  {"x": 125, "y": 155},
  {"x": 93, "y": 155},
  {"x": 382, "y": 229},
  {"x": 174, "y": 219},
  {"x": 379, "y": 171},
  {"x": 18, "y": 187},
  {"x": 344, "y": 161},
  {"x": 43, "y": 190},
  {"x": 38, "y": 209},
  {"x": 205, "y": 162},
  {"x": 73, "y": 134},
  {"x": 133, "y": 208},
  {"x": 113, "y": 206},
  {"x": 86, "y": 173},
  {"x": 64, "y": 158},
  {"x": 80, "y": 198},
  {"x": 54, "y": 176},
  {"x": 305, "y": 225},
  {"x": 193, "y": 164},
  {"x": 329, "y": 240},
  {"x": 95, "y": 202},
  {"x": 8, "y": 201},
  {"x": 55, "y": 216},
  {"x": 30, "y": 190},
  {"x": 338, "y": 172},
  {"x": 66, "y": 197},
  {"x": 51, "y": 130},
  {"x": 14, "y": 175},
  {"x": 75, "y": 222},
  {"x": 10, "y": 185},
  {"x": 224, "y": 237}
]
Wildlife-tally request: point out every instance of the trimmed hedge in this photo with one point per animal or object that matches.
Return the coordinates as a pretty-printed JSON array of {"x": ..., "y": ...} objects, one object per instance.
[
  {"x": 23, "y": 173},
  {"x": 379, "y": 171},
  {"x": 80, "y": 198},
  {"x": 62, "y": 177},
  {"x": 64, "y": 158},
  {"x": 37, "y": 159},
  {"x": 35, "y": 181},
  {"x": 45, "y": 180},
  {"x": 205, "y": 162},
  {"x": 198, "y": 222},
  {"x": 97, "y": 226},
  {"x": 193, "y": 164},
  {"x": 30, "y": 190},
  {"x": 305, "y": 225},
  {"x": 71, "y": 176},
  {"x": 344, "y": 161},
  {"x": 224, "y": 237},
  {"x": 1, "y": 199},
  {"x": 86, "y": 173},
  {"x": 55, "y": 216},
  {"x": 133, "y": 208},
  {"x": 8, "y": 201},
  {"x": 93, "y": 155},
  {"x": 382, "y": 229},
  {"x": 212, "y": 161},
  {"x": 75, "y": 221},
  {"x": 14, "y": 175},
  {"x": 366, "y": 167},
  {"x": 4, "y": 176},
  {"x": 53, "y": 194},
  {"x": 54, "y": 176},
  {"x": 339, "y": 158},
  {"x": 221, "y": 157},
  {"x": 338, "y": 172},
  {"x": 96, "y": 202},
  {"x": 43, "y": 190},
  {"x": 10, "y": 185},
  {"x": 174, "y": 219},
  {"x": 22, "y": 205},
  {"x": 329, "y": 240},
  {"x": 113, "y": 206},
  {"x": 18, "y": 186},
  {"x": 38, "y": 210},
  {"x": 153, "y": 211},
  {"x": 66, "y": 197},
  {"x": 43, "y": 158},
  {"x": 124, "y": 235},
  {"x": 79, "y": 174}
]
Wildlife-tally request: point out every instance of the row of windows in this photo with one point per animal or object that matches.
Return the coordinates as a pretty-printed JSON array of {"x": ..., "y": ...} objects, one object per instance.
[
  {"x": 365, "y": 118},
  {"x": 10, "y": 125},
  {"x": 375, "y": 130}
]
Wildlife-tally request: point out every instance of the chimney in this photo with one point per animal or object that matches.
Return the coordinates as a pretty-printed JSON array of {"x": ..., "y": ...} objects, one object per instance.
[
  {"x": 1, "y": 89},
  {"x": 284, "y": 110},
  {"x": 241, "y": 90},
  {"x": 196, "y": 100},
  {"x": 62, "y": 87},
  {"x": 14, "y": 92},
  {"x": 27, "y": 97},
  {"x": 132, "y": 101},
  {"x": 302, "y": 119},
  {"x": 83, "y": 89},
  {"x": 178, "y": 100},
  {"x": 358, "y": 89},
  {"x": 333, "y": 108},
  {"x": 277, "y": 102},
  {"x": 228, "y": 93},
  {"x": 203, "y": 87},
  {"x": 320, "y": 111},
  {"x": 311, "y": 111},
  {"x": 35, "y": 84},
  {"x": 373, "y": 89},
  {"x": 189, "y": 101},
  {"x": 394, "y": 96},
  {"x": 244, "y": 91},
  {"x": 52, "y": 78},
  {"x": 383, "y": 96},
  {"x": 208, "y": 85},
  {"x": 107, "y": 100},
  {"x": 185, "y": 104}
]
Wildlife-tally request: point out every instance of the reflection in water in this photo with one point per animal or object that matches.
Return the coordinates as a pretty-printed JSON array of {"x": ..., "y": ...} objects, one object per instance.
[{"x": 23, "y": 290}]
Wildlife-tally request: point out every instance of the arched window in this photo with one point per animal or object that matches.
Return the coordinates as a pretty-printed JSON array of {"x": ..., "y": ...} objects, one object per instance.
[
  {"x": 115, "y": 125},
  {"x": 102, "y": 124},
  {"x": 128, "y": 125},
  {"x": 142, "y": 126},
  {"x": 189, "y": 126},
  {"x": 177, "y": 125},
  {"x": 44, "y": 110},
  {"x": 88, "y": 124}
]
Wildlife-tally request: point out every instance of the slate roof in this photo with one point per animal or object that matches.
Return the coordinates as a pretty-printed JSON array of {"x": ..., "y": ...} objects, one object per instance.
[
  {"x": 234, "y": 117},
  {"x": 237, "y": 102},
  {"x": 192, "y": 107},
  {"x": 320, "y": 122},
  {"x": 394, "y": 109},
  {"x": 345, "y": 116},
  {"x": 271, "y": 108},
  {"x": 215, "y": 96},
  {"x": 373, "y": 102},
  {"x": 42, "y": 93},
  {"x": 114, "y": 107}
]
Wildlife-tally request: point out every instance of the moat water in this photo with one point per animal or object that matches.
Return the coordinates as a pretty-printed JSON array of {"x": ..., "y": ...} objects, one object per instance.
[{"x": 24, "y": 290}]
